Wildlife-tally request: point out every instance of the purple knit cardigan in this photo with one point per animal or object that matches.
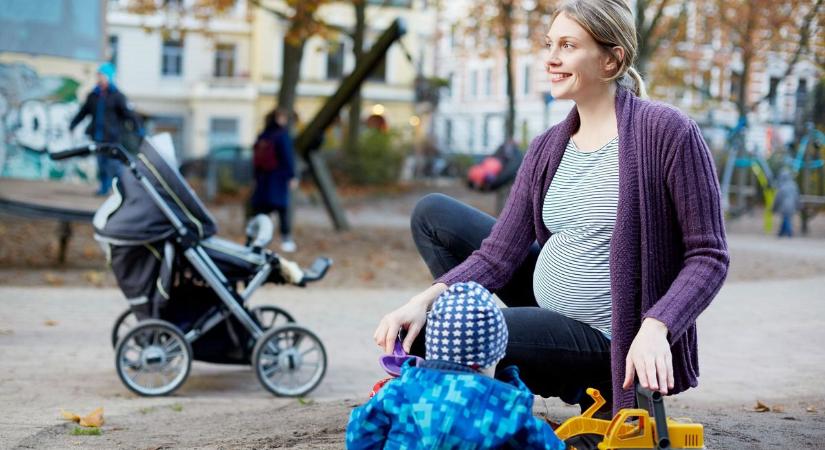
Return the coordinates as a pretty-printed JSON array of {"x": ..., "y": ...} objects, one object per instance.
[{"x": 668, "y": 253}]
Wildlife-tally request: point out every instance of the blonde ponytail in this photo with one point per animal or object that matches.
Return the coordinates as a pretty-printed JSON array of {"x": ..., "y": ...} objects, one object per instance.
[{"x": 633, "y": 81}]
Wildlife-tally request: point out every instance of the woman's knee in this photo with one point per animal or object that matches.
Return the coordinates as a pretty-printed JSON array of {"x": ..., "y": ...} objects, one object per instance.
[{"x": 427, "y": 207}]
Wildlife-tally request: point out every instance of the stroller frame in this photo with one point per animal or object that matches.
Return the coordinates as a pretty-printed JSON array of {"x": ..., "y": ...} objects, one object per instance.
[{"x": 266, "y": 339}]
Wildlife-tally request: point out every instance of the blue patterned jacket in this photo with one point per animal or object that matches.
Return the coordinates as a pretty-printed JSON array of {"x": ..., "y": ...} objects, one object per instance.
[{"x": 442, "y": 405}]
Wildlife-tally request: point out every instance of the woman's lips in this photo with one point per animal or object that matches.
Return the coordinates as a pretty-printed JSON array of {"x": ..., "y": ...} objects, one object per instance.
[{"x": 556, "y": 77}]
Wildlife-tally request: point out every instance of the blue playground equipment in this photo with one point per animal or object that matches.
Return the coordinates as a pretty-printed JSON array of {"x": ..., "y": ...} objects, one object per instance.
[
  {"x": 745, "y": 165},
  {"x": 746, "y": 174},
  {"x": 808, "y": 165}
]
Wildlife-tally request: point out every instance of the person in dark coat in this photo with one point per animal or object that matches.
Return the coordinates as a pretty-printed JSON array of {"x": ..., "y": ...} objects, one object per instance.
[
  {"x": 109, "y": 110},
  {"x": 274, "y": 165}
]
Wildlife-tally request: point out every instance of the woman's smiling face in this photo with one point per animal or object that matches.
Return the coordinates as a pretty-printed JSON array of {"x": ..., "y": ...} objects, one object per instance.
[{"x": 576, "y": 63}]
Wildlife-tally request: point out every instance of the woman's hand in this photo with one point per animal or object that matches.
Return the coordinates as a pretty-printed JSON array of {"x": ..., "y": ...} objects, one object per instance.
[
  {"x": 412, "y": 317},
  {"x": 649, "y": 358}
]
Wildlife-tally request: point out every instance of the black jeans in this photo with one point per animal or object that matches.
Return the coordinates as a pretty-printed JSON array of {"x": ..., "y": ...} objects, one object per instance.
[
  {"x": 284, "y": 219},
  {"x": 557, "y": 356}
]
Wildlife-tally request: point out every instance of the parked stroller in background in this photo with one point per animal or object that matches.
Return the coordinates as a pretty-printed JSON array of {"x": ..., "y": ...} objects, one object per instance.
[{"x": 188, "y": 289}]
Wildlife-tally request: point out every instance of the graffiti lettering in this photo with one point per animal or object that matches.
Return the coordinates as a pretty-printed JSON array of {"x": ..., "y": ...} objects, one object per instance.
[{"x": 35, "y": 113}]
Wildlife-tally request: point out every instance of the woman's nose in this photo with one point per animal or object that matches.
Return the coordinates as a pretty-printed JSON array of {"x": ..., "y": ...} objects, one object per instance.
[{"x": 552, "y": 59}]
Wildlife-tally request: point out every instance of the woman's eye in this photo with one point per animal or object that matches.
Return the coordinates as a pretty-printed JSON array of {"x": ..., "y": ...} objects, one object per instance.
[{"x": 567, "y": 45}]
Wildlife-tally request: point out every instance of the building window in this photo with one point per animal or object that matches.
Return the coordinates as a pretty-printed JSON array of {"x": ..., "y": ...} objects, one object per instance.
[
  {"x": 172, "y": 58},
  {"x": 802, "y": 87},
  {"x": 488, "y": 82},
  {"x": 471, "y": 127},
  {"x": 223, "y": 132},
  {"x": 448, "y": 90},
  {"x": 526, "y": 80},
  {"x": 735, "y": 82},
  {"x": 772, "y": 90},
  {"x": 113, "y": 50},
  {"x": 485, "y": 132},
  {"x": 335, "y": 60},
  {"x": 224, "y": 60},
  {"x": 474, "y": 83},
  {"x": 707, "y": 82},
  {"x": 448, "y": 133}
]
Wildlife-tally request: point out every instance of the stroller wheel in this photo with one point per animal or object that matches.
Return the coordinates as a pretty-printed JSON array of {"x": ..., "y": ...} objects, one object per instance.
[
  {"x": 124, "y": 322},
  {"x": 289, "y": 360},
  {"x": 153, "y": 358},
  {"x": 271, "y": 316}
]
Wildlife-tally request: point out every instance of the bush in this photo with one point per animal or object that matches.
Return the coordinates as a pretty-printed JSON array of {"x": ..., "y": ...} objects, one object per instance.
[{"x": 376, "y": 160}]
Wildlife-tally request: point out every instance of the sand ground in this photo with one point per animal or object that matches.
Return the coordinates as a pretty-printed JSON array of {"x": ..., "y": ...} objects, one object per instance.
[{"x": 760, "y": 340}]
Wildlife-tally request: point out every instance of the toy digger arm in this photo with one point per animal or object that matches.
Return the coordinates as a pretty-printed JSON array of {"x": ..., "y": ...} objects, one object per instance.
[
  {"x": 652, "y": 402},
  {"x": 598, "y": 402}
]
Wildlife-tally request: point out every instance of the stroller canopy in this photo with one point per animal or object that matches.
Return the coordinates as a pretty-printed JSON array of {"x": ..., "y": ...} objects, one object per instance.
[{"x": 131, "y": 217}]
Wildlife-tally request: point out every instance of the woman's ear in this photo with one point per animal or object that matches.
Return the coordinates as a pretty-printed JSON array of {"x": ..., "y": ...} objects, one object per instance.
[{"x": 613, "y": 63}]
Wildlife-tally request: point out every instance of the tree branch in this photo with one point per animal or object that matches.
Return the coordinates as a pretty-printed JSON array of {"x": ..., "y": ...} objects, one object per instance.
[
  {"x": 804, "y": 37},
  {"x": 284, "y": 16}
]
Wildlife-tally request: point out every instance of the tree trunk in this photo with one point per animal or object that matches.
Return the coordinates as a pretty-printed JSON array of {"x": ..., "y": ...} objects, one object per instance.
[
  {"x": 747, "y": 56},
  {"x": 291, "y": 74},
  {"x": 354, "y": 125},
  {"x": 510, "y": 125}
]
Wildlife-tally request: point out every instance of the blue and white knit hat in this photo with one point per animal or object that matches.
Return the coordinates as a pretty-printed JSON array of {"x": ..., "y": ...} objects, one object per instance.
[{"x": 466, "y": 326}]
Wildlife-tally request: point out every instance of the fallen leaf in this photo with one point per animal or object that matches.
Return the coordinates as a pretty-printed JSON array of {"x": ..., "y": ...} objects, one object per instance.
[
  {"x": 761, "y": 407},
  {"x": 50, "y": 323},
  {"x": 810, "y": 409},
  {"x": 94, "y": 277},
  {"x": 778, "y": 408},
  {"x": 69, "y": 416},
  {"x": 53, "y": 279},
  {"x": 367, "y": 276},
  {"x": 94, "y": 419},
  {"x": 90, "y": 251}
]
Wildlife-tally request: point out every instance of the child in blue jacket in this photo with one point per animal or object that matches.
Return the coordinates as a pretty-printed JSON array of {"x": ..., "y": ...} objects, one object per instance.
[{"x": 451, "y": 400}]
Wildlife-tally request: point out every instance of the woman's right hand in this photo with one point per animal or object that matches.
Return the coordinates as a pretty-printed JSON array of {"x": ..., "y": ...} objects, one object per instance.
[{"x": 411, "y": 316}]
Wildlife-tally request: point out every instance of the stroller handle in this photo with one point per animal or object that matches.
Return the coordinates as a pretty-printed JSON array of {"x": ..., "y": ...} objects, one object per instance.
[
  {"x": 72, "y": 152},
  {"x": 113, "y": 150}
]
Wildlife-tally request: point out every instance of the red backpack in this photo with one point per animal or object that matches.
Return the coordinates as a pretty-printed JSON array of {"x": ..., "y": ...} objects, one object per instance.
[{"x": 263, "y": 155}]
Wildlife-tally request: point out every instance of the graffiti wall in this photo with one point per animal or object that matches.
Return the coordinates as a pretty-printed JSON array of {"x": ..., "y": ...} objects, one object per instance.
[{"x": 35, "y": 112}]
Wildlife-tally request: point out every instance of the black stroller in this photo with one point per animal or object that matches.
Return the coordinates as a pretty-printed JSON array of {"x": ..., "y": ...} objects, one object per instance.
[{"x": 188, "y": 289}]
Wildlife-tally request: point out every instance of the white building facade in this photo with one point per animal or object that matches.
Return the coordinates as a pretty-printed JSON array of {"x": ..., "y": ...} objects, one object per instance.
[{"x": 212, "y": 88}]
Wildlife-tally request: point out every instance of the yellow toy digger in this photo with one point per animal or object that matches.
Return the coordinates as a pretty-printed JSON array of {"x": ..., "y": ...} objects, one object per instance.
[{"x": 645, "y": 427}]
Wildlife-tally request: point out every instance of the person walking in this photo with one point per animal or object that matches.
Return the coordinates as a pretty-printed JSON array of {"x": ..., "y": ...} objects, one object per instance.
[
  {"x": 109, "y": 110},
  {"x": 274, "y": 167},
  {"x": 611, "y": 242}
]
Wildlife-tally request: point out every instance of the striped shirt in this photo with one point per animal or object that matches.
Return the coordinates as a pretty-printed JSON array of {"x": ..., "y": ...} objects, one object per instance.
[{"x": 572, "y": 275}]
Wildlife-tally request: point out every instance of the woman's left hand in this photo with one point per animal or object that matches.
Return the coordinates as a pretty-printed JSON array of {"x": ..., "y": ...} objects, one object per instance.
[{"x": 649, "y": 358}]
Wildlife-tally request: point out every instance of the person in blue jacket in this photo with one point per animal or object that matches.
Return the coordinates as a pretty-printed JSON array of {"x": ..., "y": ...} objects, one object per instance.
[
  {"x": 274, "y": 165},
  {"x": 109, "y": 110},
  {"x": 451, "y": 400}
]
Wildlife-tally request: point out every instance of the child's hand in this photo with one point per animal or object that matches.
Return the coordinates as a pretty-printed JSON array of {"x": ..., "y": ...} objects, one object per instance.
[{"x": 412, "y": 317}]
